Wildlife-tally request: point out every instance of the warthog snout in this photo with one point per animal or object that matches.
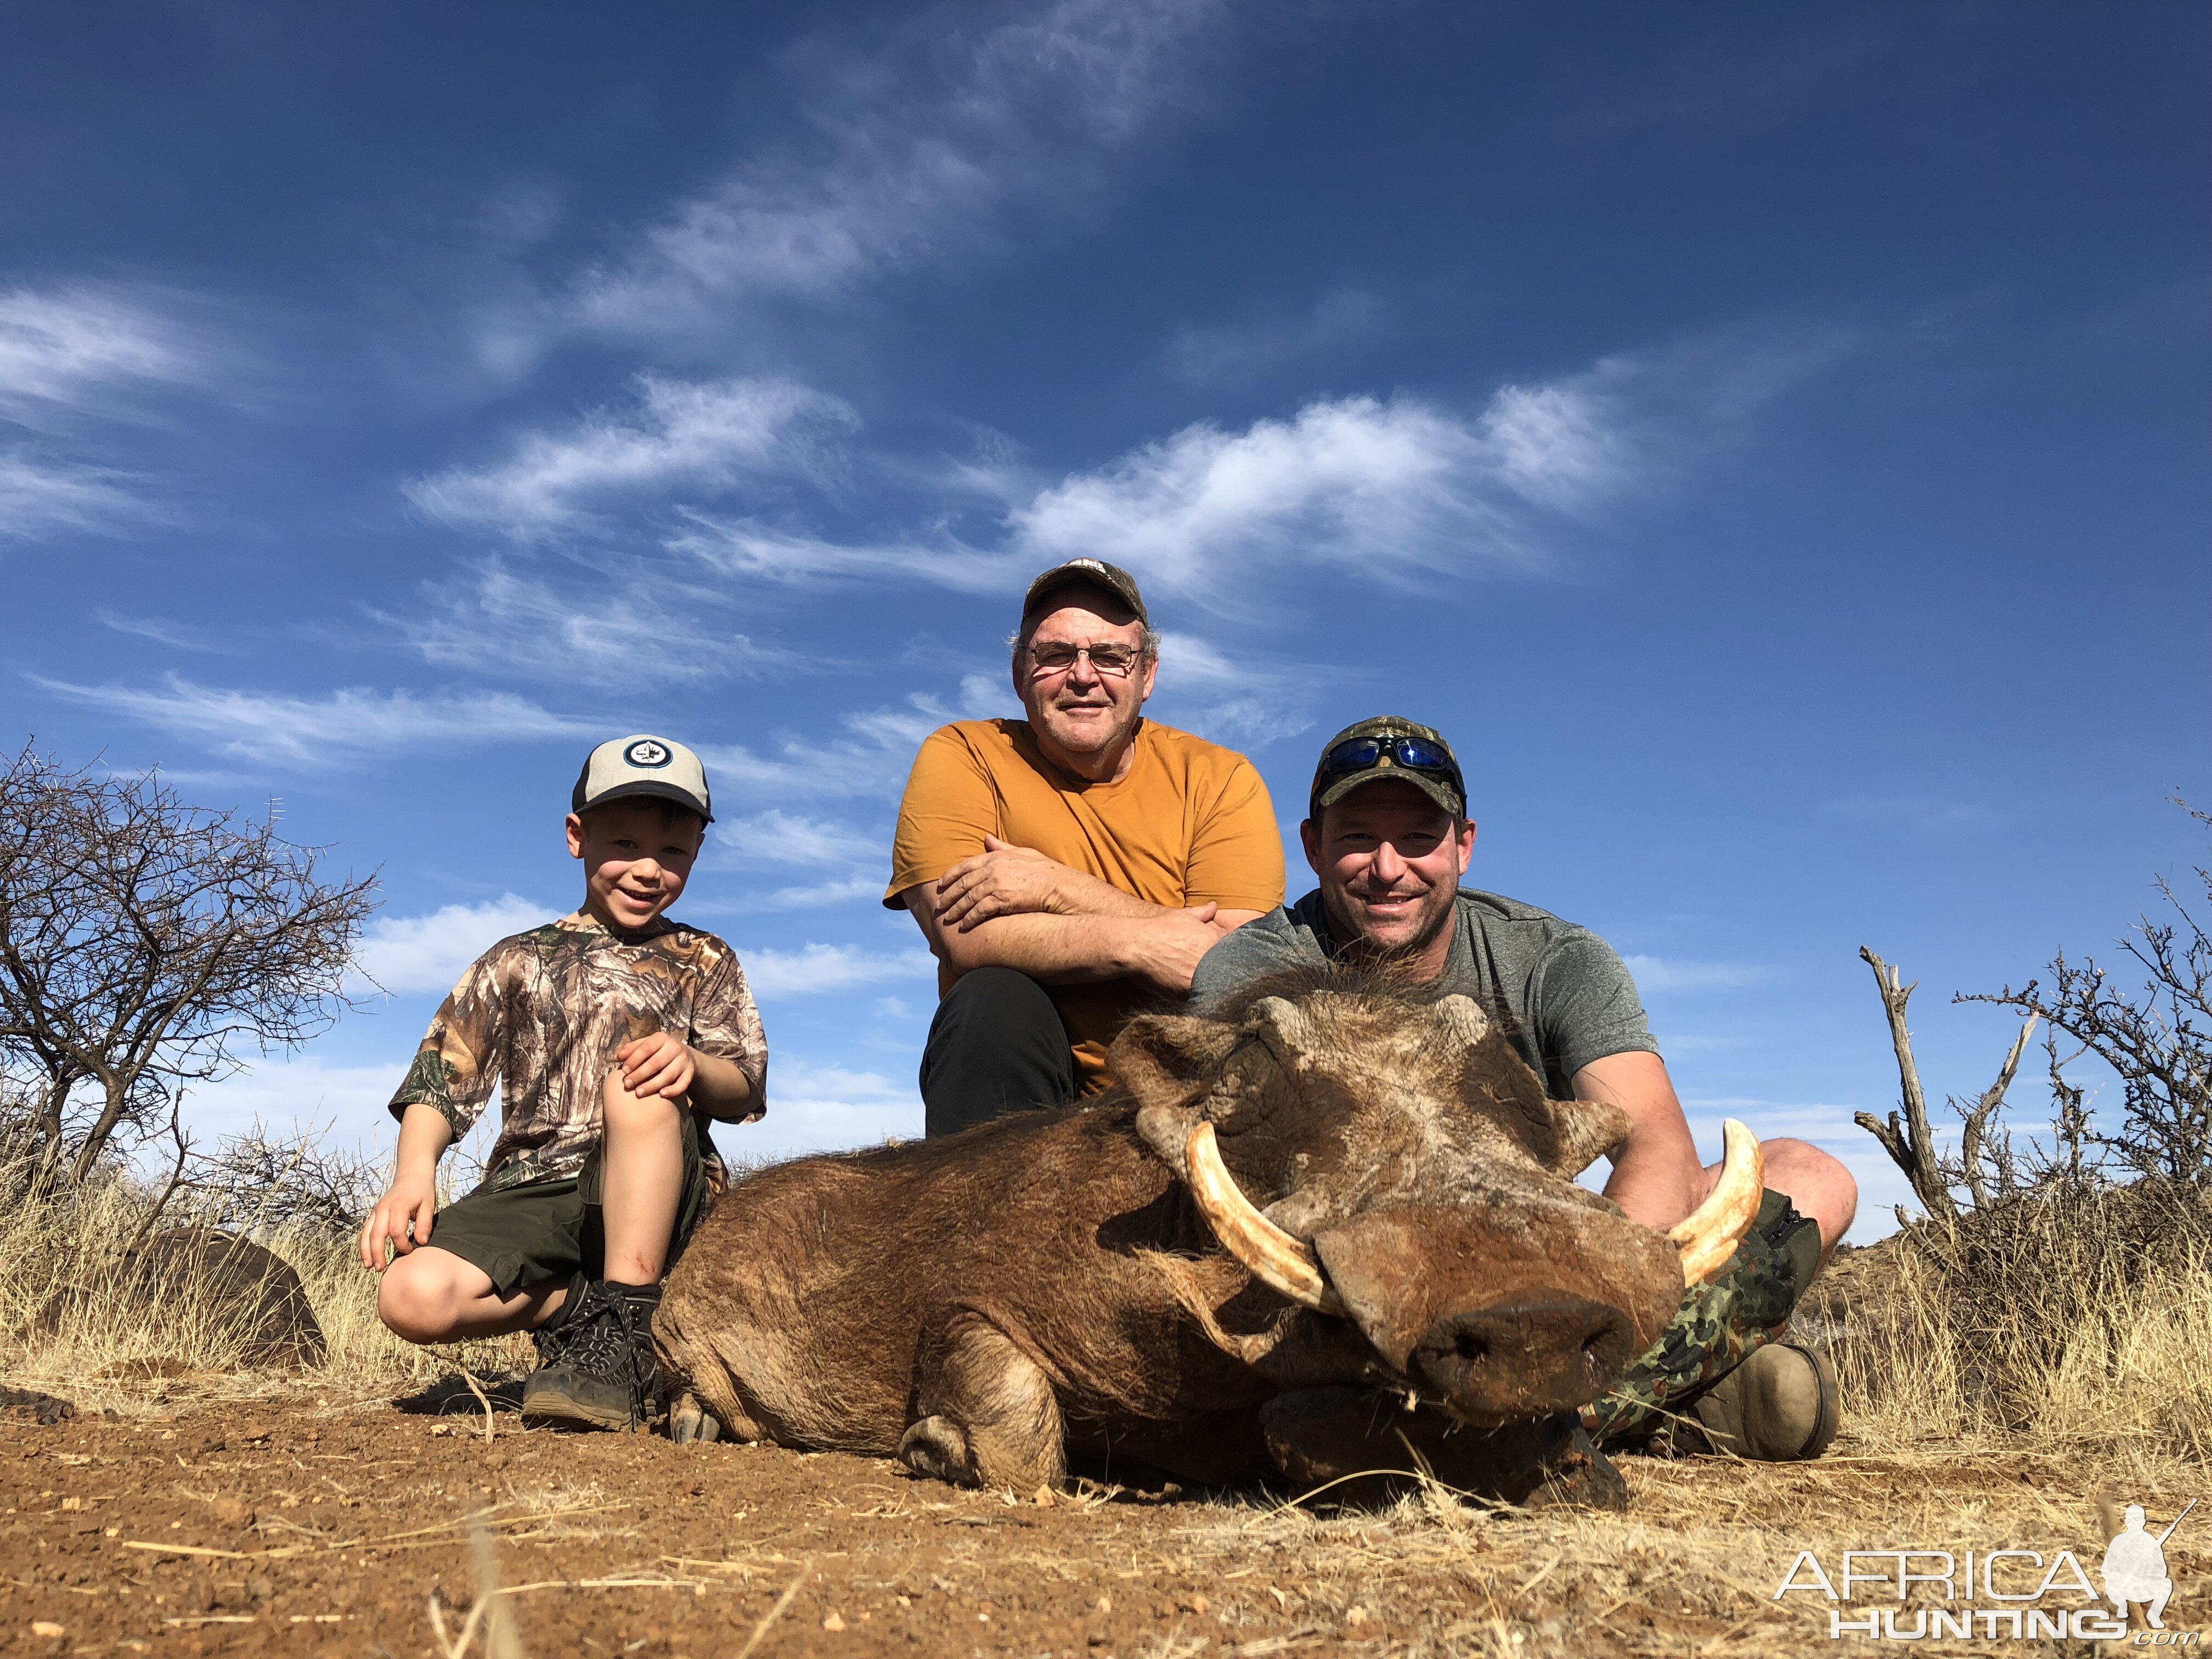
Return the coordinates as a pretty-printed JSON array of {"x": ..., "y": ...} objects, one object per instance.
[{"x": 1524, "y": 1357}]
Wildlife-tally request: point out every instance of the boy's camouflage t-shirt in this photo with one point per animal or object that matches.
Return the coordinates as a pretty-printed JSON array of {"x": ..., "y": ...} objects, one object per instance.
[{"x": 543, "y": 1012}]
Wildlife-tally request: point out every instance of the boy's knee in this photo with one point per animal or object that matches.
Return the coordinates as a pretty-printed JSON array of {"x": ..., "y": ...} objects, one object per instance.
[
  {"x": 416, "y": 1301},
  {"x": 629, "y": 1114}
]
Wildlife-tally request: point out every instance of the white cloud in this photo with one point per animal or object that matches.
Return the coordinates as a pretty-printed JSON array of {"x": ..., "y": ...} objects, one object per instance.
[
  {"x": 40, "y": 496},
  {"x": 1388, "y": 488},
  {"x": 776, "y": 838},
  {"x": 702, "y": 435},
  {"x": 1661, "y": 975},
  {"x": 85, "y": 348},
  {"x": 298, "y": 1097},
  {"x": 814, "y": 897},
  {"x": 814, "y": 969},
  {"x": 911, "y": 165},
  {"x": 818, "y": 1109},
  {"x": 409, "y": 956},
  {"x": 329, "y": 731},
  {"x": 988, "y": 696}
]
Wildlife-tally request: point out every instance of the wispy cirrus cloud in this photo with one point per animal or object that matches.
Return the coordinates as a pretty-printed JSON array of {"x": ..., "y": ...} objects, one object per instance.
[
  {"x": 89, "y": 349},
  {"x": 915, "y": 159},
  {"x": 637, "y": 624},
  {"x": 42, "y": 494},
  {"x": 675, "y": 436},
  {"x": 327, "y": 732},
  {"x": 78, "y": 363},
  {"x": 1234, "y": 353},
  {"x": 1244, "y": 700},
  {"x": 182, "y": 636}
]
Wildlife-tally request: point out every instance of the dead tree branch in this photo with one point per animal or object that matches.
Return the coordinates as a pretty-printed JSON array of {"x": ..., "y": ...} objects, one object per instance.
[
  {"x": 1910, "y": 1144},
  {"x": 1973, "y": 1140}
]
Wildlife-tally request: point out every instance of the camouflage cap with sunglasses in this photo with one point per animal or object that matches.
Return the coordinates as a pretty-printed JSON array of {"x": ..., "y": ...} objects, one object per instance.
[{"x": 1387, "y": 747}]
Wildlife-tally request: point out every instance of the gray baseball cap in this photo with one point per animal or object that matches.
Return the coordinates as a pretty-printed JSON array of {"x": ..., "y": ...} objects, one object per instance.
[
  {"x": 1086, "y": 573},
  {"x": 642, "y": 766}
]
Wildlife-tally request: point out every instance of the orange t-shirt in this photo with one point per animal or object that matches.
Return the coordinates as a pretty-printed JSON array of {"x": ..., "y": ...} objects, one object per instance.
[{"x": 1188, "y": 823}]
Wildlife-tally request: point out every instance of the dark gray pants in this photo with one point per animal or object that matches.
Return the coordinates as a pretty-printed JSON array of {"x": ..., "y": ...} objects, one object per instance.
[{"x": 996, "y": 1046}]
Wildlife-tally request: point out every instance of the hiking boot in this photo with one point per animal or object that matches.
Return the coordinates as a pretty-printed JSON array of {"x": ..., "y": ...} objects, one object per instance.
[
  {"x": 1778, "y": 1405},
  {"x": 551, "y": 1339},
  {"x": 606, "y": 1376}
]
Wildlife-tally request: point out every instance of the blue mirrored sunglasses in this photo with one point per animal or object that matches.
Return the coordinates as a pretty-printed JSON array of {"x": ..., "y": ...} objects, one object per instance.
[{"x": 1415, "y": 754}]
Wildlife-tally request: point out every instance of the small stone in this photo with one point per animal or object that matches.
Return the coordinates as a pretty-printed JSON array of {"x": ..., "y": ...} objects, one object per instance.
[
  {"x": 72, "y": 1502},
  {"x": 1043, "y": 1498},
  {"x": 1105, "y": 1604},
  {"x": 45, "y": 1627},
  {"x": 1357, "y": 1616},
  {"x": 231, "y": 1512},
  {"x": 833, "y": 1622}
]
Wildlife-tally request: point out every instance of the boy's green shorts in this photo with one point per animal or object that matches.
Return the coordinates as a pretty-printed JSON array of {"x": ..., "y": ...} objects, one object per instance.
[{"x": 526, "y": 1235}]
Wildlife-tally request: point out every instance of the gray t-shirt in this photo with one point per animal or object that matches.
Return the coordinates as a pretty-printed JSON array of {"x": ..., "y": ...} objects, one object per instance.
[{"x": 1562, "y": 994}]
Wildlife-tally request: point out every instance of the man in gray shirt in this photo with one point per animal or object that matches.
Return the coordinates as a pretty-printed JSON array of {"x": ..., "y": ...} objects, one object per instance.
[{"x": 1389, "y": 836}]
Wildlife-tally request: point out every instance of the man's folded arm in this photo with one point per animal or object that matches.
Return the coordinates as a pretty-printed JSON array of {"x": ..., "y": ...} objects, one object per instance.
[{"x": 1157, "y": 943}]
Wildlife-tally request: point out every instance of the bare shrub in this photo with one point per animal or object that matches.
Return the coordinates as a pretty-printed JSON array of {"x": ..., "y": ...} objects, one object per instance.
[
  {"x": 2070, "y": 1298},
  {"x": 143, "y": 942},
  {"x": 2156, "y": 1036}
]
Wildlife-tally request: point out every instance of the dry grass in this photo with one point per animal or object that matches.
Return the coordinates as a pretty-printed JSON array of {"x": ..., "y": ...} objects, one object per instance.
[
  {"x": 2062, "y": 1325},
  {"x": 72, "y": 1321}
]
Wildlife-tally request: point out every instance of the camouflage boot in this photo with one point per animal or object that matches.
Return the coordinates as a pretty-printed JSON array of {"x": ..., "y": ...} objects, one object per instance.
[
  {"x": 1779, "y": 1405},
  {"x": 607, "y": 1376}
]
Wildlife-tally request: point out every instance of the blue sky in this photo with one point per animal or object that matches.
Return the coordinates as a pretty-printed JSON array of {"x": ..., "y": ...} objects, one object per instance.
[{"x": 1769, "y": 441}]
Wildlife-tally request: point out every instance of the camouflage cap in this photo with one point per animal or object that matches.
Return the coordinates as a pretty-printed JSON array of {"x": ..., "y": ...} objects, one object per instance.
[
  {"x": 1086, "y": 573},
  {"x": 1388, "y": 746}
]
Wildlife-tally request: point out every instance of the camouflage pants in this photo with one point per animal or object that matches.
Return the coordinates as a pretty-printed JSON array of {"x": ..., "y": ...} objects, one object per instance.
[{"x": 1720, "y": 1323}]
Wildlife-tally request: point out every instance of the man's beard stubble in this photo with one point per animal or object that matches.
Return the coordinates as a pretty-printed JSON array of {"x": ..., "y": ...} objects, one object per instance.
[{"x": 1349, "y": 938}]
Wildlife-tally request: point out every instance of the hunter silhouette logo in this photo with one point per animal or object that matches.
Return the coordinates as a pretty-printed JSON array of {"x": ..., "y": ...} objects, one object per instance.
[
  {"x": 2135, "y": 1565},
  {"x": 2022, "y": 1593}
]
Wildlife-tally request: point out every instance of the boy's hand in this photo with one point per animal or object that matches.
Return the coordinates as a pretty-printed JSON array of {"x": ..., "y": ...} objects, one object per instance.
[
  {"x": 412, "y": 1200},
  {"x": 657, "y": 1065}
]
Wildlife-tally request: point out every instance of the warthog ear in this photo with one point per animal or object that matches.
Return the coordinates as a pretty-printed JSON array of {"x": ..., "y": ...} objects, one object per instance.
[
  {"x": 1169, "y": 1063},
  {"x": 1588, "y": 1130}
]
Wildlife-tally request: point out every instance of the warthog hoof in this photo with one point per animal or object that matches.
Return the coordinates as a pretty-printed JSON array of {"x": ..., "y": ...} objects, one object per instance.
[
  {"x": 938, "y": 1447},
  {"x": 689, "y": 1422}
]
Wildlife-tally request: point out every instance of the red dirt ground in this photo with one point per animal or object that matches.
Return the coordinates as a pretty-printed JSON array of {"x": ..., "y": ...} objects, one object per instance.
[{"x": 303, "y": 1528}]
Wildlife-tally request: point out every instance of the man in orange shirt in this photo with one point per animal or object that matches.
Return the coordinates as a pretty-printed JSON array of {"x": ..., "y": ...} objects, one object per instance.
[{"x": 1072, "y": 867}]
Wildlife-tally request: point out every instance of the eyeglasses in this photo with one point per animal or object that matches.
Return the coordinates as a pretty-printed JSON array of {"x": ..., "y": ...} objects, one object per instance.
[
  {"x": 1414, "y": 754},
  {"x": 1114, "y": 659}
]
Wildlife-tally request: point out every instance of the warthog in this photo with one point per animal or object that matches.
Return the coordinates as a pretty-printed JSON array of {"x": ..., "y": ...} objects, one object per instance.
[{"x": 1096, "y": 1282}]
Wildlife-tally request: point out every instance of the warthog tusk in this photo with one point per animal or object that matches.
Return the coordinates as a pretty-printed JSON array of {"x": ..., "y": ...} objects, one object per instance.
[
  {"x": 1271, "y": 1255},
  {"x": 1707, "y": 1236}
]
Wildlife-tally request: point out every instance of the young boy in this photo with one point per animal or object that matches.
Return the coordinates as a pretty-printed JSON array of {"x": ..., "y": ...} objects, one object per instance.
[{"x": 615, "y": 1032}]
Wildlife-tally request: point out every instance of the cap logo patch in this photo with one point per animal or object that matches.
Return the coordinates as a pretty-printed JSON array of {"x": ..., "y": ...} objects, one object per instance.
[{"x": 648, "y": 753}]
